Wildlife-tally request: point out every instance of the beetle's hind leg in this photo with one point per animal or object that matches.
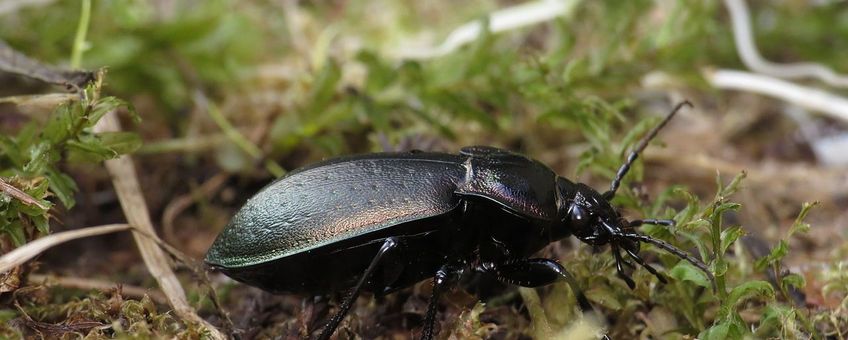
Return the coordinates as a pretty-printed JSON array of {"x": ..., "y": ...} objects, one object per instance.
[{"x": 389, "y": 245}]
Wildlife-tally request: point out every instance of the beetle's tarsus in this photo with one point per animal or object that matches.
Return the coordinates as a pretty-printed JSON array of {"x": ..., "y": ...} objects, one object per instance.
[
  {"x": 619, "y": 269},
  {"x": 647, "y": 266},
  {"x": 677, "y": 252}
]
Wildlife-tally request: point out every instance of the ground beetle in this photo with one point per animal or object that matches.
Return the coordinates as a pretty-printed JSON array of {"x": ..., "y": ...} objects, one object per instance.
[{"x": 384, "y": 221}]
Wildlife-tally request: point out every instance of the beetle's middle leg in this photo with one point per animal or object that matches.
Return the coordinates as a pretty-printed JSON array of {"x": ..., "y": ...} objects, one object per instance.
[
  {"x": 440, "y": 281},
  {"x": 390, "y": 244}
]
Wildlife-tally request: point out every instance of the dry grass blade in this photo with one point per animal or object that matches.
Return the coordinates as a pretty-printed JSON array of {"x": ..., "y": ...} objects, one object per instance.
[
  {"x": 26, "y": 252},
  {"x": 88, "y": 284},
  {"x": 126, "y": 184},
  {"x": 181, "y": 203},
  {"x": 747, "y": 48},
  {"x": 505, "y": 19},
  {"x": 15, "y": 62},
  {"x": 20, "y": 195},
  {"x": 807, "y": 97}
]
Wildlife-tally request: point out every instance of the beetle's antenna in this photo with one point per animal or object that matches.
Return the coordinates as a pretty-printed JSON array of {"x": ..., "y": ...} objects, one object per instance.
[
  {"x": 616, "y": 182},
  {"x": 674, "y": 250}
]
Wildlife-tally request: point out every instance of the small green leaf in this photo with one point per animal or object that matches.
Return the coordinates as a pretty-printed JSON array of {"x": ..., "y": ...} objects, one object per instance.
[
  {"x": 777, "y": 253},
  {"x": 63, "y": 187},
  {"x": 16, "y": 232},
  {"x": 41, "y": 223},
  {"x": 732, "y": 327},
  {"x": 799, "y": 226},
  {"x": 10, "y": 149},
  {"x": 731, "y": 188},
  {"x": 89, "y": 149},
  {"x": 380, "y": 75},
  {"x": 774, "y": 318},
  {"x": 685, "y": 271},
  {"x": 729, "y": 236},
  {"x": 120, "y": 142},
  {"x": 725, "y": 207},
  {"x": 747, "y": 290},
  {"x": 324, "y": 86},
  {"x": 794, "y": 280},
  {"x": 39, "y": 191},
  {"x": 62, "y": 122},
  {"x": 107, "y": 104},
  {"x": 39, "y": 158}
]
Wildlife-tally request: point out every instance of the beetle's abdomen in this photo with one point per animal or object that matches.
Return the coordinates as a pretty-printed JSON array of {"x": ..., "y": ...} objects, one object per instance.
[{"x": 335, "y": 201}]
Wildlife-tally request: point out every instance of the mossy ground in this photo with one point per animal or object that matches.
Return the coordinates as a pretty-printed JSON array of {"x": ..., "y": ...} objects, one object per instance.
[{"x": 233, "y": 93}]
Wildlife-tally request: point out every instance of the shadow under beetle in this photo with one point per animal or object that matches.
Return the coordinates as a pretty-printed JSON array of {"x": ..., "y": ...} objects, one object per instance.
[{"x": 384, "y": 221}]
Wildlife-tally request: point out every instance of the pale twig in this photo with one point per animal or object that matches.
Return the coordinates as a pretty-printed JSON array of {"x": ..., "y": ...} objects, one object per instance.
[
  {"x": 11, "y": 6},
  {"x": 747, "y": 49},
  {"x": 505, "y": 19},
  {"x": 125, "y": 180},
  {"x": 181, "y": 203},
  {"x": 89, "y": 284},
  {"x": 26, "y": 252},
  {"x": 810, "y": 98}
]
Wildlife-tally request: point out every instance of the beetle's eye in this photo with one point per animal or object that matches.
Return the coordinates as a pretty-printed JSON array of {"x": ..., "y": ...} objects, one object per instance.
[{"x": 579, "y": 216}]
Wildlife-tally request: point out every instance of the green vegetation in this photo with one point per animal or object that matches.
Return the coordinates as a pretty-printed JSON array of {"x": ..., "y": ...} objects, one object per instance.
[{"x": 252, "y": 89}]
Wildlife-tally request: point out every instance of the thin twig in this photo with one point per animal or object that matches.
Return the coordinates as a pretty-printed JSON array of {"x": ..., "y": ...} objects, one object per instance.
[
  {"x": 747, "y": 49},
  {"x": 181, "y": 203},
  {"x": 125, "y": 180},
  {"x": 89, "y": 284},
  {"x": 505, "y": 19},
  {"x": 26, "y": 252},
  {"x": 810, "y": 98}
]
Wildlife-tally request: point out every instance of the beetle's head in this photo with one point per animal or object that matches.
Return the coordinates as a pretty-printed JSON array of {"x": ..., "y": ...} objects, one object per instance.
[{"x": 590, "y": 216}]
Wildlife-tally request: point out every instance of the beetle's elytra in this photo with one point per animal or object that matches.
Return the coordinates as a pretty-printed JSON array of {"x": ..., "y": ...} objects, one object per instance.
[{"x": 384, "y": 221}]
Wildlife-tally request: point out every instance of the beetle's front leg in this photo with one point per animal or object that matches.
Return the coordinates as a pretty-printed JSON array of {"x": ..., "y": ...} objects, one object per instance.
[{"x": 535, "y": 273}]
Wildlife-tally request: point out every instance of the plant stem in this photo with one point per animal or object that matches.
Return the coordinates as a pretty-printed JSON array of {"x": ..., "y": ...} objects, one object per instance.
[
  {"x": 245, "y": 145},
  {"x": 82, "y": 31}
]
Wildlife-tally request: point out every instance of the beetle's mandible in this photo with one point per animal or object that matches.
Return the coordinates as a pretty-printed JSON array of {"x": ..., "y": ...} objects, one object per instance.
[{"x": 381, "y": 222}]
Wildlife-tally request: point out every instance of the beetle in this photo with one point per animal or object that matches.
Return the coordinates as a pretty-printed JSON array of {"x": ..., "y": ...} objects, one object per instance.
[{"x": 384, "y": 221}]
